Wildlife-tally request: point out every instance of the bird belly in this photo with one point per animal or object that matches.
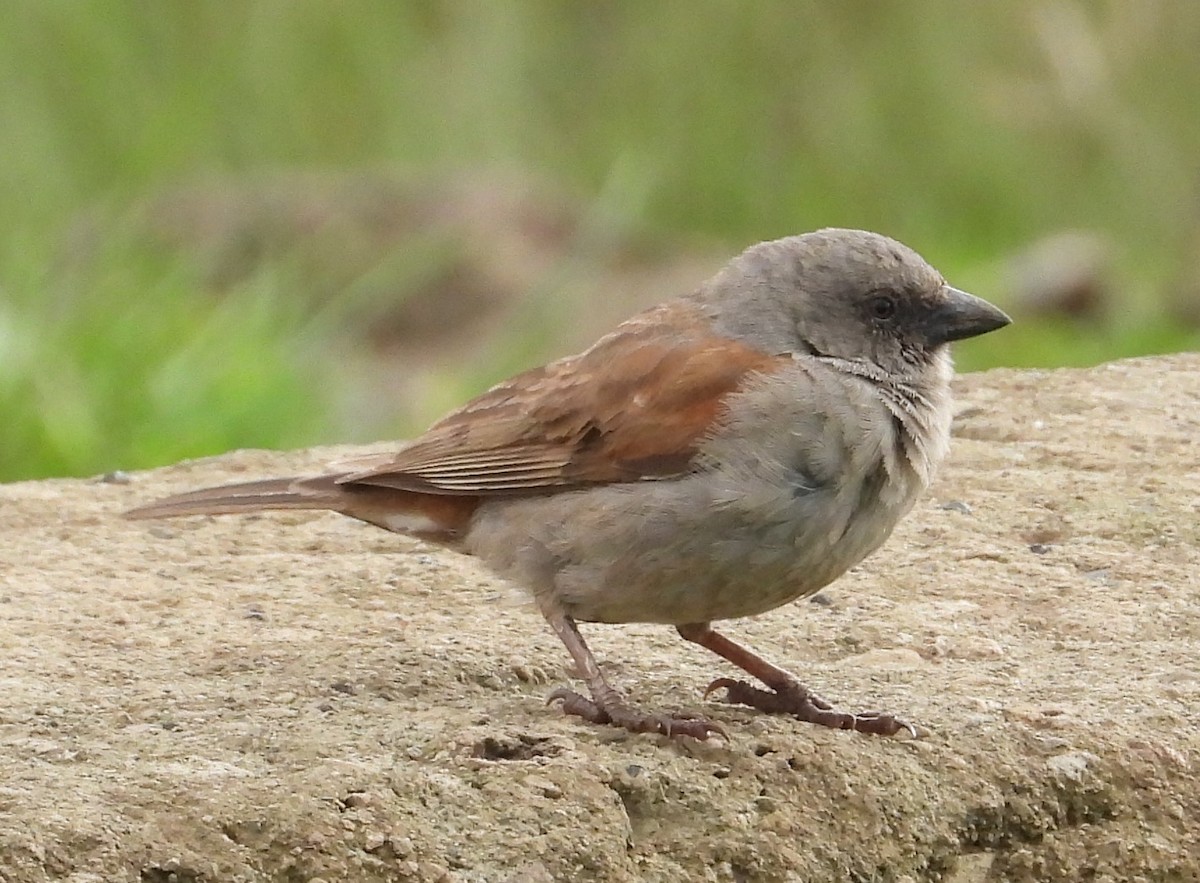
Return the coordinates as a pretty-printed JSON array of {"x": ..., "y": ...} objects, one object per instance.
[{"x": 688, "y": 552}]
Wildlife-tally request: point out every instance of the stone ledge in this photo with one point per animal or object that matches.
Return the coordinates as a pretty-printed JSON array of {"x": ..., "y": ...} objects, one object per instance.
[{"x": 299, "y": 697}]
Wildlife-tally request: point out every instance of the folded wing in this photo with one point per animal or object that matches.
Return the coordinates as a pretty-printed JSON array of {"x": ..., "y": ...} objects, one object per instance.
[{"x": 634, "y": 406}]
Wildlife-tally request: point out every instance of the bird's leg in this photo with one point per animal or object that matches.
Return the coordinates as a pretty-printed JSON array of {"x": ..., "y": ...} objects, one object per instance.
[
  {"x": 789, "y": 696},
  {"x": 607, "y": 705}
]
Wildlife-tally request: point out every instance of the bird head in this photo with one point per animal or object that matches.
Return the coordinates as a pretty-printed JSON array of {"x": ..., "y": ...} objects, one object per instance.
[{"x": 847, "y": 294}]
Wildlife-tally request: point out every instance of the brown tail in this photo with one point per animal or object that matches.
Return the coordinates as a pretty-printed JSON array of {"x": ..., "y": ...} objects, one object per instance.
[
  {"x": 428, "y": 516},
  {"x": 229, "y": 499}
]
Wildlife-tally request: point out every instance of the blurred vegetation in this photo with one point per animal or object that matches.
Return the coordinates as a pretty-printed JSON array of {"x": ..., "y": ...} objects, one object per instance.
[{"x": 139, "y": 326}]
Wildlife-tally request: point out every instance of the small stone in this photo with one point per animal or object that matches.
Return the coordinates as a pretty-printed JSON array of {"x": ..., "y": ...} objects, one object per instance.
[
  {"x": 531, "y": 872},
  {"x": 966, "y": 647},
  {"x": 1072, "y": 765},
  {"x": 374, "y": 841},
  {"x": 765, "y": 804},
  {"x": 433, "y": 871},
  {"x": 970, "y": 867},
  {"x": 529, "y": 674},
  {"x": 893, "y": 659},
  {"x": 1039, "y": 548},
  {"x": 544, "y": 786},
  {"x": 955, "y": 506},
  {"x": 490, "y": 681}
]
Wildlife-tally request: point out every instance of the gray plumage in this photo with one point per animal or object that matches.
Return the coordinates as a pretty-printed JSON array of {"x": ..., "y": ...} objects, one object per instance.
[{"x": 714, "y": 457}]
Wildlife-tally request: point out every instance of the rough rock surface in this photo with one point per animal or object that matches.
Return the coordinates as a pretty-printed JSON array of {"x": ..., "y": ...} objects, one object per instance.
[{"x": 298, "y": 697}]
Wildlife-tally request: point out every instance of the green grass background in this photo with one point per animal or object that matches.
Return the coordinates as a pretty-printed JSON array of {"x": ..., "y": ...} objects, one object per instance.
[{"x": 967, "y": 130}]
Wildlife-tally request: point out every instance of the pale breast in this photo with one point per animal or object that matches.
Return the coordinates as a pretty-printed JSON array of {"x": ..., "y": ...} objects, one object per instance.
[{"x": 808, "y": 475}]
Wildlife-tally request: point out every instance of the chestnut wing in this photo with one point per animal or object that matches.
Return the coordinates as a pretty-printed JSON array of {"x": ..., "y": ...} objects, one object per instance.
[{"x": 634, "y": 406}]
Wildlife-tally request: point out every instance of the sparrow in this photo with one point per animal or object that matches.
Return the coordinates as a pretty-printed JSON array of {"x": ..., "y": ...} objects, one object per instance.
[{"x": 713, "y": 457}]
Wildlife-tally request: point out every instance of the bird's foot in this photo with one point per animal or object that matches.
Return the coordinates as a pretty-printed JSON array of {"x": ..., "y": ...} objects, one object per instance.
[
  {"x": 615, "y": 711},
  {"x": 795, "y": 699}
]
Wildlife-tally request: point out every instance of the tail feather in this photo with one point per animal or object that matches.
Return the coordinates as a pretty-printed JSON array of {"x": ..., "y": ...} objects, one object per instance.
[
  {"x": 441, "y": 519},
  {"x": 271, "y": 493}
]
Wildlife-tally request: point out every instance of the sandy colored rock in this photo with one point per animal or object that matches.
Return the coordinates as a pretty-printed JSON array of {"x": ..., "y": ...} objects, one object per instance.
[{"x": 298, "y": 697}]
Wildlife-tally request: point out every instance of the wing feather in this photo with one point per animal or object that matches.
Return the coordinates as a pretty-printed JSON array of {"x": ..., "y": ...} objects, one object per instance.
[{"x": 634, "y": 406}]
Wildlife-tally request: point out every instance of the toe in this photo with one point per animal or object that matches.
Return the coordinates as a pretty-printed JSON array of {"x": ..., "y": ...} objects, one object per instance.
[{"x": 580, "y": 706}]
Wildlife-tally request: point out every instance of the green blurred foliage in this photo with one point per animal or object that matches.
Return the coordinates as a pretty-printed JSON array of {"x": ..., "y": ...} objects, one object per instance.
[
  {"x": 88, "y": 363},
  {"x": 965, "y": 130}
]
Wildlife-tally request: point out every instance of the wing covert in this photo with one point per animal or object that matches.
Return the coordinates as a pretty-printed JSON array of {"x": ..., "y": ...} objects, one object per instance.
[{"x": 634, "y": 406}]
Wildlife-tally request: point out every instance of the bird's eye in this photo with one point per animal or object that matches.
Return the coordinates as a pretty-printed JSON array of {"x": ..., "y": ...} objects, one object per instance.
[{"x": 883, "y": 307}]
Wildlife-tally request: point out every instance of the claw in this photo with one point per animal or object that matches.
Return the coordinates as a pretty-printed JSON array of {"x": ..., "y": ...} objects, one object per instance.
[
  {"x": 687, "y": 724},
  {"x": 578, "y": 705},
  {"x": 621, "y": 715},
  {"x": 796, "y": 700},
  {"x": 718, "y": 684}
]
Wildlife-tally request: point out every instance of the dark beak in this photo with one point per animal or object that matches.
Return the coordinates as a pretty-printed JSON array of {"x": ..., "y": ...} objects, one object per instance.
[{"x": 961, "y": 315}]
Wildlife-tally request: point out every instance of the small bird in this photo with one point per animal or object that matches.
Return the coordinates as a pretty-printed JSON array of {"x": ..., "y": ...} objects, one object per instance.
[{"x": 713, "y": 457}]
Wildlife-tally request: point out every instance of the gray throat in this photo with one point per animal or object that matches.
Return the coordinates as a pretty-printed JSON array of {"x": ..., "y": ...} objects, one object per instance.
[{"x": 920, "y": 409}]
